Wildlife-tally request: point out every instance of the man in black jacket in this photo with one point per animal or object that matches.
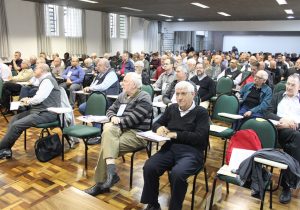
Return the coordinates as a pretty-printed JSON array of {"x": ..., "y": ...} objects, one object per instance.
[
  {"x": 285, "y": 108},
  {"x": 187, "y": 126}
]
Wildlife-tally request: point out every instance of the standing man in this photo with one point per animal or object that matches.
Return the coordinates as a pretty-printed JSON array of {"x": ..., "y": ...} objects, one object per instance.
[
  {"x": 187, "y": 126},
  {"x": 73, "y": 75}
]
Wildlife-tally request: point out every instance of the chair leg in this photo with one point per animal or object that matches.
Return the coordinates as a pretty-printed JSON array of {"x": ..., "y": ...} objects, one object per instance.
[
  {"x": 193, "y": 191},
  {"x": 262, "y": 200},
  {"x": 86, "y": 154},
  {"x": 25, "y": 147},
  {"x": 63, "y": 148},
  {"x": 227, "y": 187},
  {"x": 224, "y": 150},
  {"x": 271, "y": 194},
  {"x": 3, "y": 115},
  {"x": 131, "y": 170},
  {"x": 206, "y": 179},
  {"x": 213, "y": 193}
]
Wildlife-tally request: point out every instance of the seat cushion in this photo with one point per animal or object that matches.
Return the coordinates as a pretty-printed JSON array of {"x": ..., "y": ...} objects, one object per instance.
[
  {"x": 81, "y": 131},
  {"x": 224, "y": 134},
  {"x": 49, "y": 125}
]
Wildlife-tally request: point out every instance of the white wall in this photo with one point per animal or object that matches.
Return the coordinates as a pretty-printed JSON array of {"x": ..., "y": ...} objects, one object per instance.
[
  {"x": 117, "y": 45},
  {"x": 137, "y": 35},
  {"x": 93, "y": 32},
  {"x": 273, "y": 44}
]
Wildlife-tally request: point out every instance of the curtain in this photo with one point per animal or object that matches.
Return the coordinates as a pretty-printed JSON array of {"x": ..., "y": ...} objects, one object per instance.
[
  {"x": 127, "y": 41},
  {"x": 182, "y": 37},
  {"x": 105, "y": 44},
  {"x": 75, "y": 31},
  {"x": 43, "y": 41},
  {"x": 151, "y": 36},
  {"x": 4, "y": 46}
]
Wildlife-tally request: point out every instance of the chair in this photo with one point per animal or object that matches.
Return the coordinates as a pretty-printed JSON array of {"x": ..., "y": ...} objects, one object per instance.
[
  {"x": 228, "y": 104},
  {"x": 267, "y": 134},
  {"x": 149, "y": 89},
  {"x": 96, "y": 105},
  {"x": 279, "y": 87},
  {"x": 224, "y": 86},
  {"x": 1, "y": 87}
]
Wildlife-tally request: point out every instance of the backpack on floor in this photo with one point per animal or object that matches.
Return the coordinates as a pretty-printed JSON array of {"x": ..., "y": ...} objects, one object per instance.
[{"x": 243, "y": 139}]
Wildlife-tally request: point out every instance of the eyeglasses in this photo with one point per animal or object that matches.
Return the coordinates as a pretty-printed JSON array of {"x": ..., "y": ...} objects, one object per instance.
[
  {"x": 258, "y": 77},
  {"x": 166, "y": 64}
]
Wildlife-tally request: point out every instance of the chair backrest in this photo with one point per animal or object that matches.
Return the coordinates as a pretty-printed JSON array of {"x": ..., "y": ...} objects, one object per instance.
[
  {"x": 265, "y": 130},
  {"x": 279, "y": 87},
  {"x": 148, "y": 89},
  {"x": 225, "y": 103},
  {"x": 96, "y": 104},
  {"x": 1, "y": 87},
  {"x": 224, "y": 85}
]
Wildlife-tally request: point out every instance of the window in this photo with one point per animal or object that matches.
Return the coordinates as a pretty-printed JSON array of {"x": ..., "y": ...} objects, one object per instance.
[
  {"x": 51, "y": 20},
  {"x": 72, "y": 22},
  {"x": 113, "y": 25},
  {"x": 123, "y": 26}
]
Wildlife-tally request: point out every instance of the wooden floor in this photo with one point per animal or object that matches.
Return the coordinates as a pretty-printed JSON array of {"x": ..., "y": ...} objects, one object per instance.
[{"x": 25, "y": 182}]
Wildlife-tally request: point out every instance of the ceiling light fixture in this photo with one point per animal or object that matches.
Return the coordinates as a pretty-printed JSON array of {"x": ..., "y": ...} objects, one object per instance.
[
  {"x": 89, "y": 1},
  {"x": 199, "y": 5},
  {"x": 180, "y": 19},
  {"x": 133, "y": 9},
  {"x": 281, "y": 2},
  {"x": 289, "y": 11},
  {"x": 290, "y": 17},
  {"x": 168, "y": 20},
  {"x": 224, "y": 14},
  {"x": 163, "y": 15}
]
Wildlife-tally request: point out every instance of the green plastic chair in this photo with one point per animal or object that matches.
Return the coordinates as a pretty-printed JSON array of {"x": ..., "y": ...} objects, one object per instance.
[
  {"x": 228, "y": 104},
  {"x": 149, "y": 89},
  {"x": 224, "y": 86},
  {"x": 279, "y": 87},
  {"x": 1, "y": 87},
  {"x": 95, "y": 105},
  {"x": 267, "y": 134}
]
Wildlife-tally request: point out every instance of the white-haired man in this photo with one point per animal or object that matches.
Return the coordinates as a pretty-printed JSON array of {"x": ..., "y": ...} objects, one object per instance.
[
  {"x": 191, "y": 65},
  {"x": 48, "y": 95},
  {"x": 128, "y": 114},
  {"x": 140, "y": 69},
  {"x": 187, "y": 126}
]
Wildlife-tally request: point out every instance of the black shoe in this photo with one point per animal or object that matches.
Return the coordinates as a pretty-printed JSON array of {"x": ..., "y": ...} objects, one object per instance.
[
  {"x": 96, "y": 190},
  {"x": 8, "y": 112},
  {"x": 285, "y": 196},
  {"x": 255, "y": 194},
  {"x": 152, "y": 207},
  {"x": 93, "y": 141},
  {"x": 5, "y": 153},
  {"x": 111, "y": 179}
]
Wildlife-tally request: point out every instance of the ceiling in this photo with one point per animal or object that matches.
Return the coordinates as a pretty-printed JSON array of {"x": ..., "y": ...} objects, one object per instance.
[{"x": 242, "y": 10}]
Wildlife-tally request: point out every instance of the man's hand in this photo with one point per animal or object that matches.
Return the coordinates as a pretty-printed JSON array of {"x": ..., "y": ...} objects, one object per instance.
[
  {"x": 25, "y": 101},
  {"x": 115, "y": 120},
  {"x": 9, "y": 78},
  {"x": 287, "y": 123},
  {"x": 68, "y": 82},
  {"x": 162, "y": 131},
  {"x": 86, "y": 89},
  {"x": 172, "y": 135},
  {"x": 247, "y": 114}
]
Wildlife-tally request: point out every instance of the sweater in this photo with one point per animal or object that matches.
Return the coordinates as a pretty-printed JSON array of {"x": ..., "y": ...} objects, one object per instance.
[
  {"x": 192, "y": 129},
  {"x": 207, "y": 87}
]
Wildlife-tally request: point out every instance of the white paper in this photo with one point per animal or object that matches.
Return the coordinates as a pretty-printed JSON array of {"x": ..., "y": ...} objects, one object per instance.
[
  {"x": 69, "y": 74},
  {"x": 93, "y": 118},
  {"x": 225, "y": 170},
  {"x": 217, "y": 128},
  {"x": 121, "y": 110},
  {"x": 231, "y": 116},
  {"x": 164, "y": 86},
  {"x": 150, "y": 135},
  {"x": 239, "y": 155},
  {"x": 275, "y": 122},
  {"x": 14, "y": 105},
  {"x": 82, "y": 92},
  {"x": 112, "y": 96},
  {"x": 59, "y": 110},
  {"x": 159, "y": 104}
]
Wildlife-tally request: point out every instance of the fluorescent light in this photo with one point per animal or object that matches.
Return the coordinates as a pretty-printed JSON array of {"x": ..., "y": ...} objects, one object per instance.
[
  {"x": 133, "y": 9},
  {"x": 199, "y": 5},
  {"x": 168, "y": 20},
  {"x": 163, "y": 15},
  {"x": 224, "y": 14},
  {"x": 180, "y": 19},
  {"x": 289, "y": 11},
  {"x": 89, "y": 1},
  {"x": 281, "y": 2},
  {"x": 290, "y": 17}
]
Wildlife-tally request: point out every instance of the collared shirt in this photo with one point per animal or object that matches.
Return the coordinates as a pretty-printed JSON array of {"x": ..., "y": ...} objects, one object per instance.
[
  {"x": 202, "y": 77},
  {"x": 236, "y": 81},
  {"x": 44, "y": 90},
  {"x": 164, "y": 81},
  {"x": 289, "y": 107},
  {"x": 182, "y": 113},
  {"x": 76, "y": 74},
  {"x": 108, "y": 81}
]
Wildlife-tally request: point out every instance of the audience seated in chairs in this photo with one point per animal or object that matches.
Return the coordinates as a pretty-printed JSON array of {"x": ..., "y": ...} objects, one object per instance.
[
  {"x": 48, "y": 95},
  {"x": 232, "y": 72},
  {"x": 285, "y": 108},
  {"x": 129, "y": 113},
  {"x": 107, "y": 82},
  {"x": 139, "y": 69},
  {"x": 187, "y": 125},
  {"x": 73, "y": 75},
  {"x": 11, "y": 88}
]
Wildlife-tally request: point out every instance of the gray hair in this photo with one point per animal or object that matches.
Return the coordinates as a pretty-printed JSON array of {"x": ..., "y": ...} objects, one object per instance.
[
  {"x": 294, "y": 76},
  {"x": 27, "y": 62},
  {"x": 185, "y": 85},
  {"x": 184, "y": 69},
  {"x": 136, "y": 79},
  {"x": 45, "y": 68},
  {"x": 105, "y": 61},
  {"x": 88, "y": 61},
  {"x": 75, "y": 58},
  {"x": 40, "y": 60},
  {"x": 264, "y": 74},
  {"x": 139, "y": 63},
  {"x": 191, "y": 61}
]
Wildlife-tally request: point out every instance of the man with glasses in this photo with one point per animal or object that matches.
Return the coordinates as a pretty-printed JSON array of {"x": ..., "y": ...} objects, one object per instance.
[
  {"x": 285, "y": 108},
  {"x": 187, "y": 126}
]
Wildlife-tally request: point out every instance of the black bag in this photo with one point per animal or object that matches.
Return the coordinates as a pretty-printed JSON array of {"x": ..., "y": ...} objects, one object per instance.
[{"x": 47, "y": 148}]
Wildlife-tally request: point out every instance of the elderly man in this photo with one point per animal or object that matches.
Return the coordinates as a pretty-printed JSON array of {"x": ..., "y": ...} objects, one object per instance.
[
  {"x": 129, "y": 113},
  {"x": 56, "y": 67},
  {"x": 232, "y": 72},
  {"x": 295, "y": 69},
  {"x": 206, "y": 85},
  {"x": 187, "y": 126},
  {"x": 216, "y": 67},
  {"x": 106, "y": 82},
  {"x": 139, "y": 69},
  {"x": 285, "y": 108},
  {"x": 191, "y": 65},
  {"x": 126, "y": 66},
  {"x": 48, "y": 95},
  {"x": 12, "y": 88},
  {"x": 74, "y": 76}
]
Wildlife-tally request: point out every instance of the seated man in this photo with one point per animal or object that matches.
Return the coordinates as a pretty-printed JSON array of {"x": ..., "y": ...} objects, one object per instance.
[
  {"x": 73, "y": 75},
  {"x": 139, "y": 69},
  {"x": 187, "y": 125},
  {"x": 16, "y": 62},
  {"x": 48, "y": 95},
  {"x": 107, "y": 82},
  {"x": 232, "y": 72},
  {"x": 12, "y": 88},
  {"x": 256, "y": 96},
  {"x": 129, "y": 113},
  {"x": 285, "y": 108},
  {"x": 248, "y": 76},
  {"x": 56, "y": 67},
  {"x": 206, "y": 85}
]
